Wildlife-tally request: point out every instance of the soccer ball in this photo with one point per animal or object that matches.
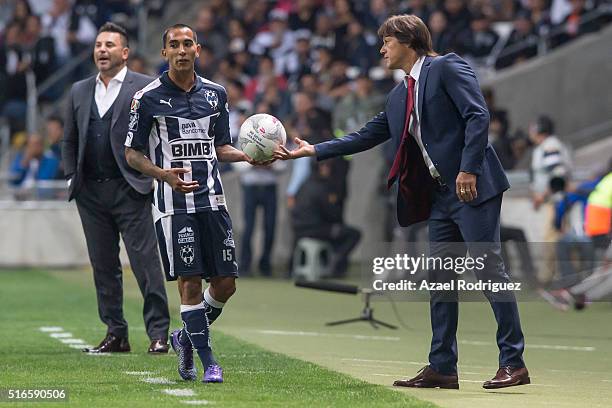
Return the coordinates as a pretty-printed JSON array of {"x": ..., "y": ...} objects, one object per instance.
[{"x": 260, "y": 134}]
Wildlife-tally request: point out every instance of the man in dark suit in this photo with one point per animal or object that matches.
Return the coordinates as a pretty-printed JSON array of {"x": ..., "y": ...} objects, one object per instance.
[
  {"x": 111, "y": 197},
  {"x": 449, "y": 175}
]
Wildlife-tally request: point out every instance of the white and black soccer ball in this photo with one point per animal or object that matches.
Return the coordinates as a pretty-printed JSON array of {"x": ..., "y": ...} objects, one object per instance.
[{"x": 260, "y": 134}]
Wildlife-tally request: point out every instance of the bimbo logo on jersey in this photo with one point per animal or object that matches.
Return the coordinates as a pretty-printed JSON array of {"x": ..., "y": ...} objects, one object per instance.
[{"x": 191, "y": 149}]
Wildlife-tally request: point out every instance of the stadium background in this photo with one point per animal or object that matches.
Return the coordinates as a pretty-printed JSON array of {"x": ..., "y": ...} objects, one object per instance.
[{"x": 536, "y": 56}]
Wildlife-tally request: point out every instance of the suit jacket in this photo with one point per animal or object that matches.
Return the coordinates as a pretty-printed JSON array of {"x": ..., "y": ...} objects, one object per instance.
[
  {"x": 77, "y": 122},
  {"x": 454, "y": 125}
]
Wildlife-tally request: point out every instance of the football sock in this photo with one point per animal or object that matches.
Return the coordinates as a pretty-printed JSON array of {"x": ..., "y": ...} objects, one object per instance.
[
  {"x": 213, "y": 310},
  {"x": 195, "y": 323},
  {"x": 213, "y": 306}
]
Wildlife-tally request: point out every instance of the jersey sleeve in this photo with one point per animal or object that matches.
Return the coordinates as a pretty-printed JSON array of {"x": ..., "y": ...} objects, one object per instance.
[
  {"x": 139, "y": 126},
  {"x": 222, "y": 130}
]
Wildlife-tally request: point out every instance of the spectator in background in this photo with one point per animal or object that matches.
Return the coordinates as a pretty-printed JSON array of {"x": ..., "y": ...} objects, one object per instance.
[
  {"x": 209, "y": 35},
  {"x": 300, "y": 60},
  {"x": 457, "y": 15},
  {"x": 14, "y": 63},
  {"x": 259, "y": 190},
  {"x": 355, "y": 108},
  {"x": 500, "y": 142},
  {"x": 206, "y": 65},
  {"x": 303, "y": 17},
  {"x": 573, "y": 26},
  {"x": 318, "y": 214},
  {"x": 265, "y": 75},
  {"x": 375, "y": 15},
  {"x": 311, "y": 85},
  {"x": 441, "y": 38},
  {"x": 21, "y": 12},
  {"x": 419, "y": 8},
  {"x": 357, "y": 50},
  {"x": 71, "y": 32},
  {"x": 551, "y": 157},
  {"x": 277, "y": 40},
  {"x": 137, "y": 63},
  {"x": 42, "y": 51},
  {"x": 33, "y": 164},
  {"x": 522, "y": 43},
  {"x": 324, "y": 36},
  {"x": 540, "y": 16},
  {"x": 54, "y": 128},
  {"x": 477, "y": 41}
]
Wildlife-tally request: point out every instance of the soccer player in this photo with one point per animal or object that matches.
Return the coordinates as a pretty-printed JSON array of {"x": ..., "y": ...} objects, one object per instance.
[{"x": 178, "y": 132}]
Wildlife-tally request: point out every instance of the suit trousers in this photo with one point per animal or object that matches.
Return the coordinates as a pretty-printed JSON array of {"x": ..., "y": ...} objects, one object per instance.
[
  {"x": 109, "y": 209},
  {"x": 454, "y": 229}
]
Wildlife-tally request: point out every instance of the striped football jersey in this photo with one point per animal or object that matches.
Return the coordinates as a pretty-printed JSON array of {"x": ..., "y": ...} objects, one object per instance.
[{"x": 175, "y": 128}]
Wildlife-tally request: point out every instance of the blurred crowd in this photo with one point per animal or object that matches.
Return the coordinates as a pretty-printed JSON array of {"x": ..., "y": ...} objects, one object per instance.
[{"x": 314, "y": 64}]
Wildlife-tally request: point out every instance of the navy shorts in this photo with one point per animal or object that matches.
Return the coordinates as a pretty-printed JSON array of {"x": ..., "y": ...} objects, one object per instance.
[{"x": 198, "y": 244}]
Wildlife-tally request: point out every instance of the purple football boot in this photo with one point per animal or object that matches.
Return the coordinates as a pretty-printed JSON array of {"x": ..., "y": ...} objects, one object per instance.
[
  {"x": 186, "y": 368},
  {"x": 213, "y": 374}
]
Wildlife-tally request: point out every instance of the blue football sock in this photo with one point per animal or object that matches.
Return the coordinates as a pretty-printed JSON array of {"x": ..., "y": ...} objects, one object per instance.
[
  {"x": 213, "y": 306},
  {"x": 195, "y": 325}
]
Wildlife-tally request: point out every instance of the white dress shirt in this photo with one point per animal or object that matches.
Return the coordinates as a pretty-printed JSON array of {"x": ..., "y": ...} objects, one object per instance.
[
  {"x": 105, "y": 96},
  {"x": 414, "y": 127}
]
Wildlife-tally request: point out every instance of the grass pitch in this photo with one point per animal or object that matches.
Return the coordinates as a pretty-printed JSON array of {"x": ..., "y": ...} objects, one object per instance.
[
  {"x": 276, "y": 350},
  {"x": 31, "y": 358}
]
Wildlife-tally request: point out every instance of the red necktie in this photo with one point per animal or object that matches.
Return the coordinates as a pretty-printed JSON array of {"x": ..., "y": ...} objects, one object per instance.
[{"x": 400, "y": 157}]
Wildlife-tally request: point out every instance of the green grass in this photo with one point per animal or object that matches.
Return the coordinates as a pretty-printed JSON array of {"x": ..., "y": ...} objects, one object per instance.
[{"x": 254, "y": 376}]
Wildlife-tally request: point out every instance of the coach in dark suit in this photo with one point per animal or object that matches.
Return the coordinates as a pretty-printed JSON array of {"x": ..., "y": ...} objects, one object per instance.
[
  {"x": 448, "y": 174},
  {"x": 111, "y": 197}
]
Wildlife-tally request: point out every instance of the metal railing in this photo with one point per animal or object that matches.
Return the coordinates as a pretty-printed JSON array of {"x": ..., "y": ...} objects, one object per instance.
[{"x": 542, "y": 42}]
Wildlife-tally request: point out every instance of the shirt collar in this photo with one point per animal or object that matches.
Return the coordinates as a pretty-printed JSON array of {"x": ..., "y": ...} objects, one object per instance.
[
  {"x": 120, "y": 77},
  {"x": 165, "y": 78},
  {"x": 415, "y": 72}
]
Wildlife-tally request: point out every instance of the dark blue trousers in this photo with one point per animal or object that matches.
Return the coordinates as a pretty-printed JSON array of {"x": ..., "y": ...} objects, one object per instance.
[
  {"x": 253, "y": 197},
  {"x": 455, "y": 228}
]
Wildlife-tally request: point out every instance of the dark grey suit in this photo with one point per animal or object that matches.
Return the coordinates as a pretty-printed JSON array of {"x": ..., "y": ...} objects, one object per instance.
[{"x": 115, "y": 206}]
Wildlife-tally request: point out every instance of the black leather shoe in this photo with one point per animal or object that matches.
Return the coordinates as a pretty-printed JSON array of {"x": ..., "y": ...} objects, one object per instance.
[
  {"x": 159, "y": 347},
  {"x": 110, "y": 344}
]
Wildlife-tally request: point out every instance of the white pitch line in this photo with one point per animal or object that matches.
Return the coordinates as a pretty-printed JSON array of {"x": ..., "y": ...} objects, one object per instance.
[
  {"x": 179, "y": 392},
  {"x": 138, "y": 372},
  {"x": 49, "y": 329},
  {"x": 72, "y": 341},
  {"x": 157, "y": 380},
  {"x": 533, "y": 346},
  {"x": 196, "y": 402},
  {"x": 318, "y": 334},
  {"x": 62, "y": 335}
]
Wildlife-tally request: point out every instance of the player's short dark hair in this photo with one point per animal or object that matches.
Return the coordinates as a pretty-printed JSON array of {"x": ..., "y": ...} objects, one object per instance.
[
  {"x": 110, "y": 27},
  {"x": 174, "y": 27},
  {"x": 410, "y": 30}
]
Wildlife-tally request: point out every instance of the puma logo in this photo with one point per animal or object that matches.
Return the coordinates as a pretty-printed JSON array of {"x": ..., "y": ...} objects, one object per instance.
[{"x": 166, "y": 102}]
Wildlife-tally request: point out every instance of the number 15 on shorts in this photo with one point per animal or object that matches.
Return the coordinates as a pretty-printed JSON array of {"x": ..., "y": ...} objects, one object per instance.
[{"x": 228, "y": 254}]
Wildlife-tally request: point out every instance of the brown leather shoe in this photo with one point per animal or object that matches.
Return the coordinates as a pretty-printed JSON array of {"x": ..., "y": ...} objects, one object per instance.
[
  {"x": 427, "y": 377},
  {"x": 110, "y": 344},
  {"x": 508, "y": 377},
  {"x": 159, "y": 346}
]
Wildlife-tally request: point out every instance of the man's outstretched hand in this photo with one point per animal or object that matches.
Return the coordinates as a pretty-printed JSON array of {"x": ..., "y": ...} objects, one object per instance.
[{"x": 304, "y": 149}]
